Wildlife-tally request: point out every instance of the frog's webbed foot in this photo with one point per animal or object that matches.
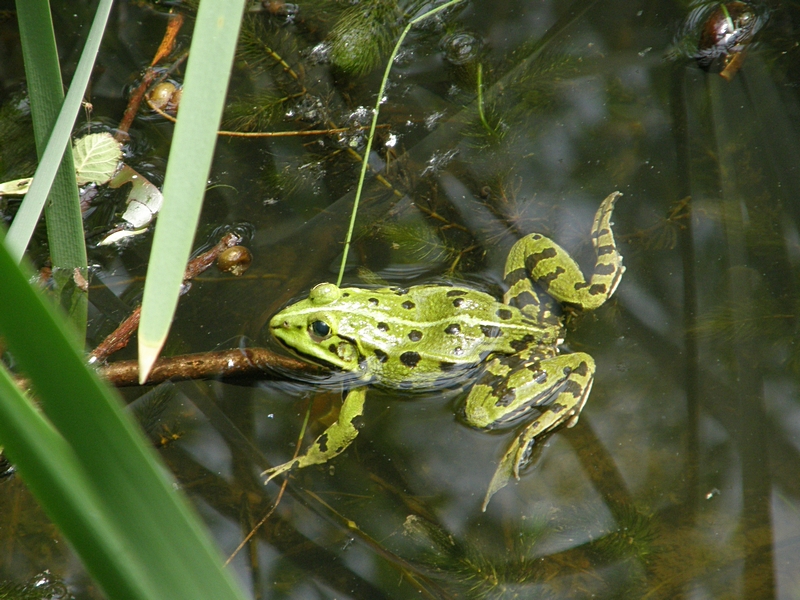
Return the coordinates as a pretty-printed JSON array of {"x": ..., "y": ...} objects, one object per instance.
[
  {"x": 562, "y": 407},
  {"x": 332, "y": 441},
  {"x": 548, "y": 264}
]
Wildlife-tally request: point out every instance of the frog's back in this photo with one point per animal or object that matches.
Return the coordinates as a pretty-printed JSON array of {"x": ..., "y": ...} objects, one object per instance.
[{"x": 429, "y": 335}]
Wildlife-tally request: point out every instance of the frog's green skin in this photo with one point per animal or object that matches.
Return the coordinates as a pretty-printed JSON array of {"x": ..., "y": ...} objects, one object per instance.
[{"x": 428, "y": 336}]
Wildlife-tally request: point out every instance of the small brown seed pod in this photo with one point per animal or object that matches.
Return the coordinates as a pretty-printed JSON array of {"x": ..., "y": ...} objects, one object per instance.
[{"x": 235, "y": 260}]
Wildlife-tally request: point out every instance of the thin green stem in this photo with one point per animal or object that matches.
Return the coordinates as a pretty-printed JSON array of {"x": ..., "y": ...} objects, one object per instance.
[
  {"x": 376, "y": 111},
  {"x": 480, "y": 99}
]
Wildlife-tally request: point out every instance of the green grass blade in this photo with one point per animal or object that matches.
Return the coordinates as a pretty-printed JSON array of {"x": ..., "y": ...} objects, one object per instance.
[
  {"x": 205, "y": 85},
  {"x": 52, "y": 472},
  {"x": 158, "y": 530},
  {"x": 44, "y": 81}
]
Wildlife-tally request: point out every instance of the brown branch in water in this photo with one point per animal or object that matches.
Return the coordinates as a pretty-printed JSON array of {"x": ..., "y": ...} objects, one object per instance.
[
  {"x": 168, "y": 42},
  {"x": 133, "y": 105},
  {"x": 150, "y": 76},
  {"x": 120, "y": 337},
  {"x": 240, "y": 362}
]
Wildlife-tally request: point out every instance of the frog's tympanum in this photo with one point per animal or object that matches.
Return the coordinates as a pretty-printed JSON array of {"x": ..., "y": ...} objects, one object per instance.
[{"x": 431, "y": 336}]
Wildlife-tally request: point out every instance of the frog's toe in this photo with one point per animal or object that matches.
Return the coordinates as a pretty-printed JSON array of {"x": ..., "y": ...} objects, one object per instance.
[
  {"x": 515, "y": 458},
  {"x": 500, "y": 479}
]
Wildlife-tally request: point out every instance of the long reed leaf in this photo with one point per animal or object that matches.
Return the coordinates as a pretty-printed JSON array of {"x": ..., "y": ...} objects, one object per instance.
[
  {"x": 119, "y": 473},
  {"x": 46, "y": 92},
  {"x": 53, "y": 473},
  {"x": 205, "y": 85},
  {"x": 44, "y": 79}
]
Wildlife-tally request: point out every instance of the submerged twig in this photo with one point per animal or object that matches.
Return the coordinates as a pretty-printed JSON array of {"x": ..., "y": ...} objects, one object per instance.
[
  {"x": 120, "y": 337},
  {"x": 279, "y": 497},
  {"x": 151, "y": 75},
  {"x": 263, "y": 134}
]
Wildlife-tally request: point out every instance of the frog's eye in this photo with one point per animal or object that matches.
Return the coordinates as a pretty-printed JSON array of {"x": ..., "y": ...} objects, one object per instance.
[{"x": 320, "y": 329}]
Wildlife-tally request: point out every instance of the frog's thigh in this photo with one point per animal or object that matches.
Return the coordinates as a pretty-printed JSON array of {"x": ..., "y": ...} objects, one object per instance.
[
  {"x": 510, "y": 387},
  {"x": 333, "y": 440},
  {"x": 564, "y": 409}
]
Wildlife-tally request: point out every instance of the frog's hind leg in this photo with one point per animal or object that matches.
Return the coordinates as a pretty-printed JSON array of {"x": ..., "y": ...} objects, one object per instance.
[
  {"x": 538, "y": 258},
  {"x": 332, "y": 441},
  {"x": 567, "y": 399}
]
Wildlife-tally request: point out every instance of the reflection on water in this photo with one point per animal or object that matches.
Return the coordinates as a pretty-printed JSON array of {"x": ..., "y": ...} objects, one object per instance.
[{"x": 682, "y": 478}]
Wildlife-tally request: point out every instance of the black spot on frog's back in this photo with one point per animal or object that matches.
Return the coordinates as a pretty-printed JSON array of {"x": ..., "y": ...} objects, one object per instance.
[
  {"x": 452, "y": 293},
  {"x": 504, "y": 314},
  {"x": 408, "y": 305},
  {"x": 410, "y": 359},
  {"x": 491, "y": 331},
  {"x": 415, "y": 335},
  {"x": 452, "y": 329},
  {"x": 522, "y": 343}
]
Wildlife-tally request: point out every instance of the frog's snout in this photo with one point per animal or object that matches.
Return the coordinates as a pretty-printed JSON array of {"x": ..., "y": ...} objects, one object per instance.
[{"x": 278, "y": 324}]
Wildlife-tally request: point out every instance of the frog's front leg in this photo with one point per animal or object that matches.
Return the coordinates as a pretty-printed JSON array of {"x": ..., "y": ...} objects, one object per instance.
[
  {"x": 333, "y": 440},
  {"x": 507, "y": 392},
  {"x": 538, "y": 258}
]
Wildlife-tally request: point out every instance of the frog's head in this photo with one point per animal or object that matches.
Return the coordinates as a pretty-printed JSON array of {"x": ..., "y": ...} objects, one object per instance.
[{"x": 309, "y": 327}]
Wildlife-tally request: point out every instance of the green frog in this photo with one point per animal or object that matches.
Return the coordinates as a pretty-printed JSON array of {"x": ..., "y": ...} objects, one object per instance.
[{"x": 433, "y": 336}]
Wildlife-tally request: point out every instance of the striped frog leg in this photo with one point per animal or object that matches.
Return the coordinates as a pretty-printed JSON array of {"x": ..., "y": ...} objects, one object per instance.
[
  {"x": 332, "y": 441},
  {"x": 559, "y": 386},
  {"x": 536, "y": 258}
]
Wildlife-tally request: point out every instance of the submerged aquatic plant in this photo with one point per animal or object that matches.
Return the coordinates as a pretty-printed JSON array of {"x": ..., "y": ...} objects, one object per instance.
[{"x": 363, "y": 35}]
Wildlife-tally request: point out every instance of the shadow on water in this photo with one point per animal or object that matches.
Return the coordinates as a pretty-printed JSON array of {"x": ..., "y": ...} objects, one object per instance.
[{"x": 682, "y": 478}]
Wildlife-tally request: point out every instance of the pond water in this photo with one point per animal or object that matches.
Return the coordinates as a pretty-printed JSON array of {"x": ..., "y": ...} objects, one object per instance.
[{"x": 682, "y": 477}]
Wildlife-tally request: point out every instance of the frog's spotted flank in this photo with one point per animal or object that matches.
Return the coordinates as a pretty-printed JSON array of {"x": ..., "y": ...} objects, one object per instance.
[{"x": 434, "y": 336}]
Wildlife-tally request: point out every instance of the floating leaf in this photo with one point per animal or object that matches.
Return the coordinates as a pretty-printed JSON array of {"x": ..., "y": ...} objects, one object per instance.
[
  {"x": 97, "y": 157},
  {"x": 144, "y": 202},
  {"x": 18, "y": 187}
]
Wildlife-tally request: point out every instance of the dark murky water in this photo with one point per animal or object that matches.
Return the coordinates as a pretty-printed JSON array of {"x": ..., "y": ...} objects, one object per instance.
[{"x": 682, "y": 478}]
